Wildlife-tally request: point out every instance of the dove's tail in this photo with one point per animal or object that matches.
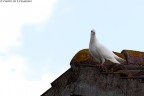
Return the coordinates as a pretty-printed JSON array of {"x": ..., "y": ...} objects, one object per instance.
[
  {"x": 114, "y": 60},
  {"x": 119, "y": 59}
]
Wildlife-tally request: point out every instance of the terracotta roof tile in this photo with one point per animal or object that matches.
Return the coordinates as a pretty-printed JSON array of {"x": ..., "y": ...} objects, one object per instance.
[{"x": 134, "y": 57}]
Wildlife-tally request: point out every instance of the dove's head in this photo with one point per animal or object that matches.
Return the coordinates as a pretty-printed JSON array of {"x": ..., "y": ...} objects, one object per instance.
[
  {"x": 92, "y": 32},
  {"x": 92, "y": 37}
]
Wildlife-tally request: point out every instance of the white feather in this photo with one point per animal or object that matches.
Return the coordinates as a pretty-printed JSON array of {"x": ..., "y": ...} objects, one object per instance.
[{"x": 100, "y": 52}]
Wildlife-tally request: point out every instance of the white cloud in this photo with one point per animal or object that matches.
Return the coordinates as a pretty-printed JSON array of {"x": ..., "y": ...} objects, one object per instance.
[
  {"x": 14, "y": 15},
  {"x": 16, "y": 85},
  {"x": 13, "y": 66}
]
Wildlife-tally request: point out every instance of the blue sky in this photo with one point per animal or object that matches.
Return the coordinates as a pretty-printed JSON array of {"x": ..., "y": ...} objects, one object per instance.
[
  {"x": 67, "y": 31},
  {"x": 40, "y": 39}
]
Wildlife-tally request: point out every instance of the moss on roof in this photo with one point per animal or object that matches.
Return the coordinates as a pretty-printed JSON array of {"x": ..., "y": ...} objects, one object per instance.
[{"x": 82, "y": 55}]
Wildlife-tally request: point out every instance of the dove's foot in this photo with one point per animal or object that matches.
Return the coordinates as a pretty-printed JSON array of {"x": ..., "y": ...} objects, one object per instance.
[{"x": 100, "y": 67}]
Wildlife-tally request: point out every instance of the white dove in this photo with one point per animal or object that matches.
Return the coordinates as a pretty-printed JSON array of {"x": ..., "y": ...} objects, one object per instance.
[{"x": 100, "y": 52}]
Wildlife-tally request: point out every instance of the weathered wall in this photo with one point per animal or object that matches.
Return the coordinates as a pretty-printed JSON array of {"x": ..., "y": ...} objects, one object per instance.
[{"x": 92, "y": 83}]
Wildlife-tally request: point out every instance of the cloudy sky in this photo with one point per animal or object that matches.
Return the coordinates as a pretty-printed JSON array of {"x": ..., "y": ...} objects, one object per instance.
[{"x": 38, "y": 39}]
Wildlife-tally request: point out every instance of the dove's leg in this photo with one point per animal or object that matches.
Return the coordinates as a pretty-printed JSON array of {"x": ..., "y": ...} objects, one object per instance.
[{"x": 102, "y": 61}]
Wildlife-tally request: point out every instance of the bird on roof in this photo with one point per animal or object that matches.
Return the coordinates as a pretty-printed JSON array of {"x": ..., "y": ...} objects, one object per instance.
[{"x": 101, "y": 52}]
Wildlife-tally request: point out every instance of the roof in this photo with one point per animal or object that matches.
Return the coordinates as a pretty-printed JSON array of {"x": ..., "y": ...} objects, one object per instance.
[
  {"x": 84, "y": 68},
  {"x": 133, "y": 67}
]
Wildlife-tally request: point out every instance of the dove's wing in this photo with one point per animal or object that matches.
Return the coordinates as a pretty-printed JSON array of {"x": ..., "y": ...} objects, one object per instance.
[{"x": 105, "y": 53}]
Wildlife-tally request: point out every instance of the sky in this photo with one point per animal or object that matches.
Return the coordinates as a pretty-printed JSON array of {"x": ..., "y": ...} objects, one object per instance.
[{"x": 38, "y": 39}]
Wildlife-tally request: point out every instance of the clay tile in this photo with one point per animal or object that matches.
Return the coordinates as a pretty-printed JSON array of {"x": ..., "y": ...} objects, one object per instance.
[
  {"x": 120, "y": 55},
  {"x": 134, "y": 57}
]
